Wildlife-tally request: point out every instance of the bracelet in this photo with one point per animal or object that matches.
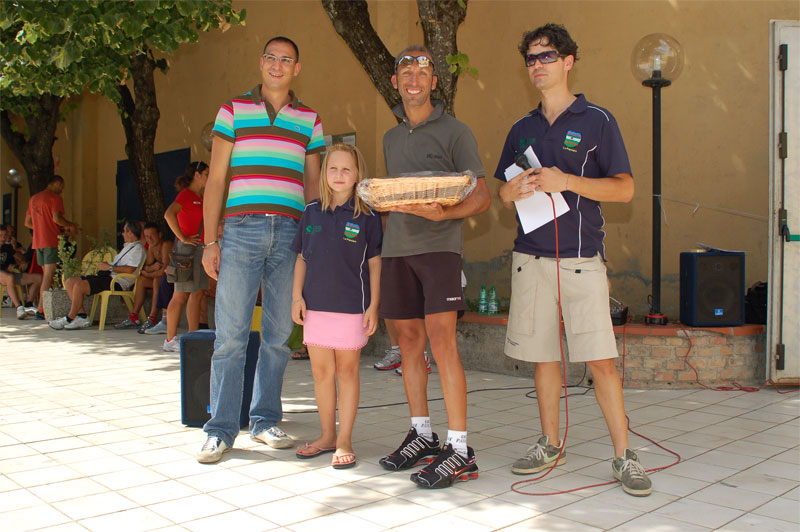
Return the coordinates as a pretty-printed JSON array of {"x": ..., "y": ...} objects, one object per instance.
[{"x": 210, "y": 244}]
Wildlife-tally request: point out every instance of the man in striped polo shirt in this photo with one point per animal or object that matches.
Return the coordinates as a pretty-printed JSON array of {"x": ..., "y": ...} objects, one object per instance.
[{"x": 272, "y": 142}]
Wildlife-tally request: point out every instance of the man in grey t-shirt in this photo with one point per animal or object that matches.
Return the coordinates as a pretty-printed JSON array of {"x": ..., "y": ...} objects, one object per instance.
[{"x": 421, "y": 270}]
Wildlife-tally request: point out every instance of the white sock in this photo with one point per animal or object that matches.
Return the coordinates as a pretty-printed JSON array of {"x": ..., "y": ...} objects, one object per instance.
[
  {"x": 395, "y": 348},
  {"x": 423, "y": 426},
  {"x": 458, "y": 439}
]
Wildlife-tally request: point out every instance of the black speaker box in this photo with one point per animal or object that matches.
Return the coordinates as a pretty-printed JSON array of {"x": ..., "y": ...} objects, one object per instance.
[
  {"x": 196, "y": 350},
  {"x": 712, "y": 288}
]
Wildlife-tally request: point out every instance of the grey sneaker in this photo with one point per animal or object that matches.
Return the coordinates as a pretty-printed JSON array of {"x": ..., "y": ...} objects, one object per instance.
[
  {"x": 158, "y": 328},
  {"x": 538, "y": 457},
  {"x": 399, "y": 370},
  {"x": 631, "y": 474},
  {"x": 59, "y": 323},
  {"x": 78, "y": 323},
  {"x": 274, "y": 437},
  {"x": 147, "y": 324},
  {"x": 212, "y": 450},
  {"x": 173, "y": 346},
  {"x": 21, "y": 314},
  {"x": 390, "y": 361},
  {"x": 127, "y": 324}
]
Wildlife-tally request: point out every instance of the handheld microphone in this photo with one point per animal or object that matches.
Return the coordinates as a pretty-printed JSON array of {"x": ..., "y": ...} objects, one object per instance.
[{"x": 522, "y": 161}]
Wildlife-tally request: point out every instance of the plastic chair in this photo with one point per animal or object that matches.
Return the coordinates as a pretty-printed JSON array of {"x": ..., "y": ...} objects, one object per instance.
[
  {"x": 92, "y": 259},
  {"x": 126, "y": 295},
  {"x": 20, "y": 293}
]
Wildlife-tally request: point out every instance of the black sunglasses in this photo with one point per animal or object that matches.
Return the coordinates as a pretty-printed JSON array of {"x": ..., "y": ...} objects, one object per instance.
[
  {"x": 548, "y": 56},
  {"x": 407, "y": 60}
]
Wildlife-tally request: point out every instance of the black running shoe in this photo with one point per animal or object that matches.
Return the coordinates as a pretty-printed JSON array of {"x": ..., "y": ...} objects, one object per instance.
[
  {"x": 414, "y": 450},
  {"x": 448, "y": 468}
]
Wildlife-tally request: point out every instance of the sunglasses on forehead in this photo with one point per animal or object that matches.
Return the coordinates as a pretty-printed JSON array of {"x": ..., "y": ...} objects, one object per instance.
[
  {"x": 548, "y": 56},
  {"x": 407, "y": 60}
]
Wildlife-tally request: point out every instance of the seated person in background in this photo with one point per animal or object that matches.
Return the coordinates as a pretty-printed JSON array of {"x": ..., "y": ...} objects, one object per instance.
[
  {"x": 11, "y": 264},
  {"x": 150, "y": 278},
  {"x": 126, "y": 261}
]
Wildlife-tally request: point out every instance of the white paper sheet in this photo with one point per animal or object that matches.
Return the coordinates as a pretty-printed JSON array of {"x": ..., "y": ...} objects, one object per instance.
[{"x": 536, "y": 210}]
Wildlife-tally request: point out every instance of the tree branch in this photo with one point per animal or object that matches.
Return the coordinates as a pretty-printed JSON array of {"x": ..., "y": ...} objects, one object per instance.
[
  {"x": 350, "y": 19},
  {"x": 440, "y": 21}
]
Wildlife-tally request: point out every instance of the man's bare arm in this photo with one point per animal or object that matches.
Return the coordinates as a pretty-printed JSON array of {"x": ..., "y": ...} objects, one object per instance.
[
  {"x": 311, "y": 177},
  {"x": 212, "y": 201}
]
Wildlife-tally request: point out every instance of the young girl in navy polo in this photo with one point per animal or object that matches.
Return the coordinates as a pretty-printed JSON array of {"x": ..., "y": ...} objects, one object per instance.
[{"x": 335, "y": 295}]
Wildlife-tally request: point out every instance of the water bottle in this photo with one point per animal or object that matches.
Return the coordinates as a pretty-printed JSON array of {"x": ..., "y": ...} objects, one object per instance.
[
  {"x": 482, "y": 307},
  {"x": 493, "y": 302}
]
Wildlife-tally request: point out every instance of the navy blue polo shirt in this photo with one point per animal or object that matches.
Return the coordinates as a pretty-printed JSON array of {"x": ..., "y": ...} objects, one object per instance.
[
  {"x": 336, "y": 248},
  {"x": 585, "y": 141}
]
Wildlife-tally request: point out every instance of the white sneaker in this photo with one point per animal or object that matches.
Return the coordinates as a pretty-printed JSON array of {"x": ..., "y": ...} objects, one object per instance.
[
  {"x": 212, "y": 450},
  {"x": 31, "y": 311},
  {"x": 274, "y": 437},
  {"x": 390, "y": 361},
  {"x": 158, "y": 328},
  {"x": 78, "y": 323},
  {"x": 21, "y": 314},
  {"x": 399, "y": 370},
  {"x": 59, "y": 324},
  {"x": 172, "y": 345}
]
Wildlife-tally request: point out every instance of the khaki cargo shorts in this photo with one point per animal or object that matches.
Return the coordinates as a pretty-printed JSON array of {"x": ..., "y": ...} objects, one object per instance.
[{"x": 533, "y": 322}]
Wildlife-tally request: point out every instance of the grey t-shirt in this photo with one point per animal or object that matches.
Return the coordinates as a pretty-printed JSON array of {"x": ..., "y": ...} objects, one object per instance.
[{"x": 439, "y": 144}]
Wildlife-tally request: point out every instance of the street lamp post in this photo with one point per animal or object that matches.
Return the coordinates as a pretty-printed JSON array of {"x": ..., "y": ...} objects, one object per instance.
[{"x": 657, "y": 60}]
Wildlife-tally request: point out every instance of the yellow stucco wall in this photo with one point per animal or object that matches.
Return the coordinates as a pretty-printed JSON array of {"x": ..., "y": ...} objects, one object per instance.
[{"x": 715, "y": 116}]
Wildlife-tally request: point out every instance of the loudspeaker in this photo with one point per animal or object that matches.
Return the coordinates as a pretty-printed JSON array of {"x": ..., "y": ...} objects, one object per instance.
[
  {"x": 196, "y": 350},
  {"x": 712, "y": 288}
]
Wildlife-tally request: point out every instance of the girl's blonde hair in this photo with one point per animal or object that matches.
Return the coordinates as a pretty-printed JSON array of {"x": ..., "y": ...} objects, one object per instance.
[{"x": 325, "y": 192}]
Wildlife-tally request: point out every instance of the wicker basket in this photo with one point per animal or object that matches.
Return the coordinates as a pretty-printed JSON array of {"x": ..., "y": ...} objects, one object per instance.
[{"x": 415, "y": 189}]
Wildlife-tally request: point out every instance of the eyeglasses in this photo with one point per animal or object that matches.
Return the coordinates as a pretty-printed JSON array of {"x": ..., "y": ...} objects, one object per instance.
[
  {"x": 285, "y": 61},
  {"x": 407, "y": 60},
  {"x": 546, "y": 57}
]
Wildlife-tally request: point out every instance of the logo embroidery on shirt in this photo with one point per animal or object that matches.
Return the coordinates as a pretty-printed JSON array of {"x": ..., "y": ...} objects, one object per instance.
[
  {"x": 351, "y": 231},
  {"x": 311, "y": 229},
  {"x": 571, "y": 140}
]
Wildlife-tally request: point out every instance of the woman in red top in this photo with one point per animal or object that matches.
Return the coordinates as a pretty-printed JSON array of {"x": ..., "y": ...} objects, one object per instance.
[{"x": 185, "y": 217}]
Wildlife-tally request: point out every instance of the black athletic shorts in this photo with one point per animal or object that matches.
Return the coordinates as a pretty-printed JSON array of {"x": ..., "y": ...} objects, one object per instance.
[{"x": 415, "y": 286}]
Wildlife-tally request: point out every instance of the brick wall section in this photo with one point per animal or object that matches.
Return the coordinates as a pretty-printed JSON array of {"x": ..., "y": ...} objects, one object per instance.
[{"x": 656, "y": 356}]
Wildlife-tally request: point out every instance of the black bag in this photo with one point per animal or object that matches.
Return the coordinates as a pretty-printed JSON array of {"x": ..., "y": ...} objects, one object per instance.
[
  {"x": 179, "y": 269},
  {"x": 755, "y": 304}
]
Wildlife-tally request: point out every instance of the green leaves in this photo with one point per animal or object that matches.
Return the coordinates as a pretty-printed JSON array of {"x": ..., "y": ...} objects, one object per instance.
[
  {"x": 459, "y": 64},
  {"x": 65, "y": 46}
]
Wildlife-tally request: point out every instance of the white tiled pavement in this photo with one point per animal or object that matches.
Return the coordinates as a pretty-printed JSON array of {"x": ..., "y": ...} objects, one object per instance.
[{"x": 91, "y": 439}]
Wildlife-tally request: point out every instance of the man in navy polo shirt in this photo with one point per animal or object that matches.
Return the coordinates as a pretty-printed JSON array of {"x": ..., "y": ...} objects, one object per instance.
[{"x": 583, "y": 157}]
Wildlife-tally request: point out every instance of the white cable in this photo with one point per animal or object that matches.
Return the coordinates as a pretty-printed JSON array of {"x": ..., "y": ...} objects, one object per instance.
[{"x": 697, "y": 206}]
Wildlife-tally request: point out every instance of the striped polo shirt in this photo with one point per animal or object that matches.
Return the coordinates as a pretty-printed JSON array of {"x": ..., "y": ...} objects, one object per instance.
[{"x": 269, "y": 153}]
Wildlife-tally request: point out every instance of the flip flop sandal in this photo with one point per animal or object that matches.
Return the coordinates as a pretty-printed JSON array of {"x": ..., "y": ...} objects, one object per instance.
[
  {"x": 300, "y": 354},
  {"x": 312, "y": 451},
  {"x": 336, "y": 462}
]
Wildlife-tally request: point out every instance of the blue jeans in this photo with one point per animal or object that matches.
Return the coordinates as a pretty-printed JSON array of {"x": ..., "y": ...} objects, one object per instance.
[{"x": 255, "y": 249}]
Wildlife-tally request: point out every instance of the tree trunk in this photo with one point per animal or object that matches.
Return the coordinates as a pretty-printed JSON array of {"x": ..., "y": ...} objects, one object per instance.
[
  {"x": 35, "y": 148},
  {"x": 140, "y": 121},
  {"x": 440, "y": 20}
]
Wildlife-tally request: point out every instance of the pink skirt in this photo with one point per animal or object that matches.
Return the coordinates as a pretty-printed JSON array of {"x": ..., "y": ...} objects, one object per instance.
[{"x": 334, "y": 330}]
